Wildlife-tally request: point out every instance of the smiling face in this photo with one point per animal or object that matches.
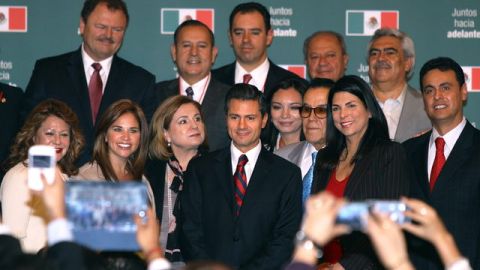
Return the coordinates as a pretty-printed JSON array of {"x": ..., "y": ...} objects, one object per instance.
[
  {"x": 194, "y": 53},
  {"x": 123, "y": 137},
  {"x": 54, "y": 132},
  {"x": 103, "y": 32},
  {"x": 325, "y": 58},
  {"x": 245, "y": 123},
  {"x": 250, "y": 39},
  {"x": 285, "y": 111},
  {"x": 387, "y": 61},
  {"x": 314, "y": 127},
  {"x": 350, "y": 116},
  {"x": 187, "y": 130},
  {"x": 443, "y": 98}
]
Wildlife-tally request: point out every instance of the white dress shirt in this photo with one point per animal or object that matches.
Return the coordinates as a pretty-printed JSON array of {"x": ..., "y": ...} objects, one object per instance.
[
  {"x": 252, "y": 156},
  {"x": 392, "y": 109},
  {"x": 199, "y": 88},
  {"x": 450, "y": 138},
  {"x": 87, "y": 66},
  {"x": 259, "y": 74},
  {"x": 307, "y": 159}
]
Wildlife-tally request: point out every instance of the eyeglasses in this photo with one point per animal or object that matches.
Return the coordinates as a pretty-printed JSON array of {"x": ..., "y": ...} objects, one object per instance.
[{"x": 320, "y": 111}]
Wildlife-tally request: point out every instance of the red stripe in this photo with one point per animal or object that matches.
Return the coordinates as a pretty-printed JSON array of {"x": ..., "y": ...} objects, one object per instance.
[
  {"x": 475, "y": 79},
  {"x": 389, "y": 19},
  {"x": 17, "y": 18},
  {"x": 206, "y": 17},
  {"x": 300, "y": 71}
]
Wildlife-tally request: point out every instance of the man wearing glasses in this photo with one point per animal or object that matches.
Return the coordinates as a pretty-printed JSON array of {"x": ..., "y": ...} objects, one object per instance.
[{"x": 314, "y": 114}]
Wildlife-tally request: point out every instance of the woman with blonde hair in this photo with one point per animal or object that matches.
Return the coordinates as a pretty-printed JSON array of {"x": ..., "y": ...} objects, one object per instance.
[{"x": 177, "y": 134}]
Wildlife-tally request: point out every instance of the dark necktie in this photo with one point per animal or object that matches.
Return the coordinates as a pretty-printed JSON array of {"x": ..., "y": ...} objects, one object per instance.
[
  {"x": 438, "y": 162},
  {"x": 95, "y": 90},
  {"x": 308, "y": 179},
  {"x": 240, "y": 181},
  {"x": 189, "y": 91},
  {"x": 246, "y": 78}
]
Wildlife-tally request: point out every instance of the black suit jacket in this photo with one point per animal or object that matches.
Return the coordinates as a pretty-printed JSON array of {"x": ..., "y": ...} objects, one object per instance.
[
  {"x": 276, "y": 74},
  {"x": 63, "y": 77},
  {"x": 212, "y": 109},
  {"x": 10, "y": 102},
  {"x": 155, "y": 173},
  {"x": 456, "y": 195},
  {"x": 384, "y": 173},
  {"x": 261, "y": 237}
]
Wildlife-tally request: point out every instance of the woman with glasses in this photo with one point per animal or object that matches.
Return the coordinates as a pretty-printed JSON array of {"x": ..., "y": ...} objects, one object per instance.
[
  {"x": 285, "y": 125},
  {"x": 359, "y": 162}
]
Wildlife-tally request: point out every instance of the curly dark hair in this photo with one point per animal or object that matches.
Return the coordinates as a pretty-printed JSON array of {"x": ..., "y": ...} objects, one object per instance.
[{"x": 25, "y": 137}]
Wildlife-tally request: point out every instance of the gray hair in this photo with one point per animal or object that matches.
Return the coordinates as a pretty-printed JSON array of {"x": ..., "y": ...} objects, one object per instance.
[
  {"x": 338, "y": 36},
  {"x": 406, "y": 41}
]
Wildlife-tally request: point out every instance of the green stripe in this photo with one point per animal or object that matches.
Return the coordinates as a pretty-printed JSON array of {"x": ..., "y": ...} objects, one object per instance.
[
  {"x": 355, "y": 22},
  {"x": 170, "y": 20}
]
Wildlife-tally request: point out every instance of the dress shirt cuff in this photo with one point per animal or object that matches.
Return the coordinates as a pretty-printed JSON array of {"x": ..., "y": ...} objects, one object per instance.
[
  {"x": 159, "y": 264},
  {"x": 460, "y": 264},
  {"x": 59, "y": 231}
]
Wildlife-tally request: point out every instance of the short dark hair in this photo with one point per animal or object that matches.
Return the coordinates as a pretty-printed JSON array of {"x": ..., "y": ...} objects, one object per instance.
[
  {"x": 336, "y": 35},
  {"x": 188, "y": 23},
  {"x": 320, "y": 83},
  {"x": 442, "y": 64},
  {"x": 251, "y": 7},
  {"x": 244, "y": 91},
  {"x": 90, "y": 5},
  {"x": 377, "y": 130}
]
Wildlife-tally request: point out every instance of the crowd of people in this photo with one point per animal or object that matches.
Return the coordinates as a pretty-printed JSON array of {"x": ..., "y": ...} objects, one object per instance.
[{"x": 233, "y": 158}]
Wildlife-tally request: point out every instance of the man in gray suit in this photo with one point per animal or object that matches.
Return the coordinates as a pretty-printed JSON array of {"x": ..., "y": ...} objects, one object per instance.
[
  {"x": 391, "y": 59},
  {"x": 194, "y": 52},
  {"x": 314, "y": 114}
]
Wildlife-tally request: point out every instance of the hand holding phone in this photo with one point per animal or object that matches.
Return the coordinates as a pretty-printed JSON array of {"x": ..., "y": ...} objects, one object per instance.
[{"x": 41, "y": 160}]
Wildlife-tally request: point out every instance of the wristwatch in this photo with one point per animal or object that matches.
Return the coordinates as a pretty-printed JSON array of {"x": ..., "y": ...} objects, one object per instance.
[{"x": 302, "y": 240}]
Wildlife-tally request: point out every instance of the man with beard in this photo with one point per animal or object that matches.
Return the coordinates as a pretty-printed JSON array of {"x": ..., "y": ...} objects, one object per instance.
[
  {"x": 391, "y": 59},
  {"x": 92, "y": 77},
  {"x": 250, "y": 35}
]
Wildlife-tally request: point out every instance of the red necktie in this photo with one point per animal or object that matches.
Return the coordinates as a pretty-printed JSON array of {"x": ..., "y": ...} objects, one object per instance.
[
  {"x": 246, "y": 78},
  {"x": 240, "y": 181},
  {"x": 95, "y": 90},
  {"x": 438, "y": 162}
]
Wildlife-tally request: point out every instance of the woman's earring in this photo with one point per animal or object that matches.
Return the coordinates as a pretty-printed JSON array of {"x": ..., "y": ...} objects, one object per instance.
[{"x": 169, "y": 144}]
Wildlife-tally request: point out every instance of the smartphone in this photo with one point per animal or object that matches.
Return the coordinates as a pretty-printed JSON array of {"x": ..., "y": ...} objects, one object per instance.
[
  {"x": 355, "y": 214},
  {"x": 41, "y": 160}
]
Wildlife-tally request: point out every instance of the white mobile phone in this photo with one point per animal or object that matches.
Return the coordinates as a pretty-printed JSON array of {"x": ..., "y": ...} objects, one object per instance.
[{"x": 41, "y": 160}]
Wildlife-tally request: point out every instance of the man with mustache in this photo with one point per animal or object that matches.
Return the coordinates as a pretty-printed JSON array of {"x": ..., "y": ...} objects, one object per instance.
[
  {"x": 391, "y": 59},
  {"x": 92, "y": 77},
  {"x": 193, "y": 52},
  {"x": 250, "y": 35}
]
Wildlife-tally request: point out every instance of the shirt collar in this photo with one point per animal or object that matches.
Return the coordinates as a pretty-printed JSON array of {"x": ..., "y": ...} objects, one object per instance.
[
  {"x": 251, "y": 154},
  {"x": 450, "y": 137},
  {"x": 88, "y": 61},
  {"x": 198, "y": 88},
  {"x": 399, "y": 100},
  {"x": 259, "y": 74}
]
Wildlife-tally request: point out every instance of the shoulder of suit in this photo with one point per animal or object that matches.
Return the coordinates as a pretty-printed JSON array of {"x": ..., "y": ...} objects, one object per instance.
[
  {"x": 10, "y": 90},
  {"x": 132, "y": 67},
  {"x": 284, "y": 151},
  {"x": 414, "y": 92},
  {"x": 166, "y": 84},
  {"x": 283, "y": 73},
  {"x": 223, "y": 69}
]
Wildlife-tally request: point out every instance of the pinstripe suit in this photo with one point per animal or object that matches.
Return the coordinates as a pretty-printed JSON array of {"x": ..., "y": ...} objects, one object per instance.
[{"x": 383, "y": 173}]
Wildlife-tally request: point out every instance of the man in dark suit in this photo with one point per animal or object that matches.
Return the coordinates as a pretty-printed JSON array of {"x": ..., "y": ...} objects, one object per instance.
[
  {"x": 391, "y": 61},
  {"x": 247, "y": 221},
  {"x": 447, "y": 161},
  {"x": 92, "y": 77},
  {"x": 250, "y": 35},
  {"x": 194, "y": 52},
  {"x": 10, "y": 100}
]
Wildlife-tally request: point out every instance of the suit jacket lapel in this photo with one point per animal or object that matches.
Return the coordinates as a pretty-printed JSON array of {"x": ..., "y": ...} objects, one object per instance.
[
  {"x": 224, "y": 176},
  {"x": 113, "y": 87},
  {"x": 210, "y": 101},
  {"x": 77, "y": 74},
  {"x": 260, "y": 173},
  {"x": 421, "y": 164},
  {"x": 358, "y": 171},
  {"x": 297, "y": 153},
  {"x": 458, "y": 156}
]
